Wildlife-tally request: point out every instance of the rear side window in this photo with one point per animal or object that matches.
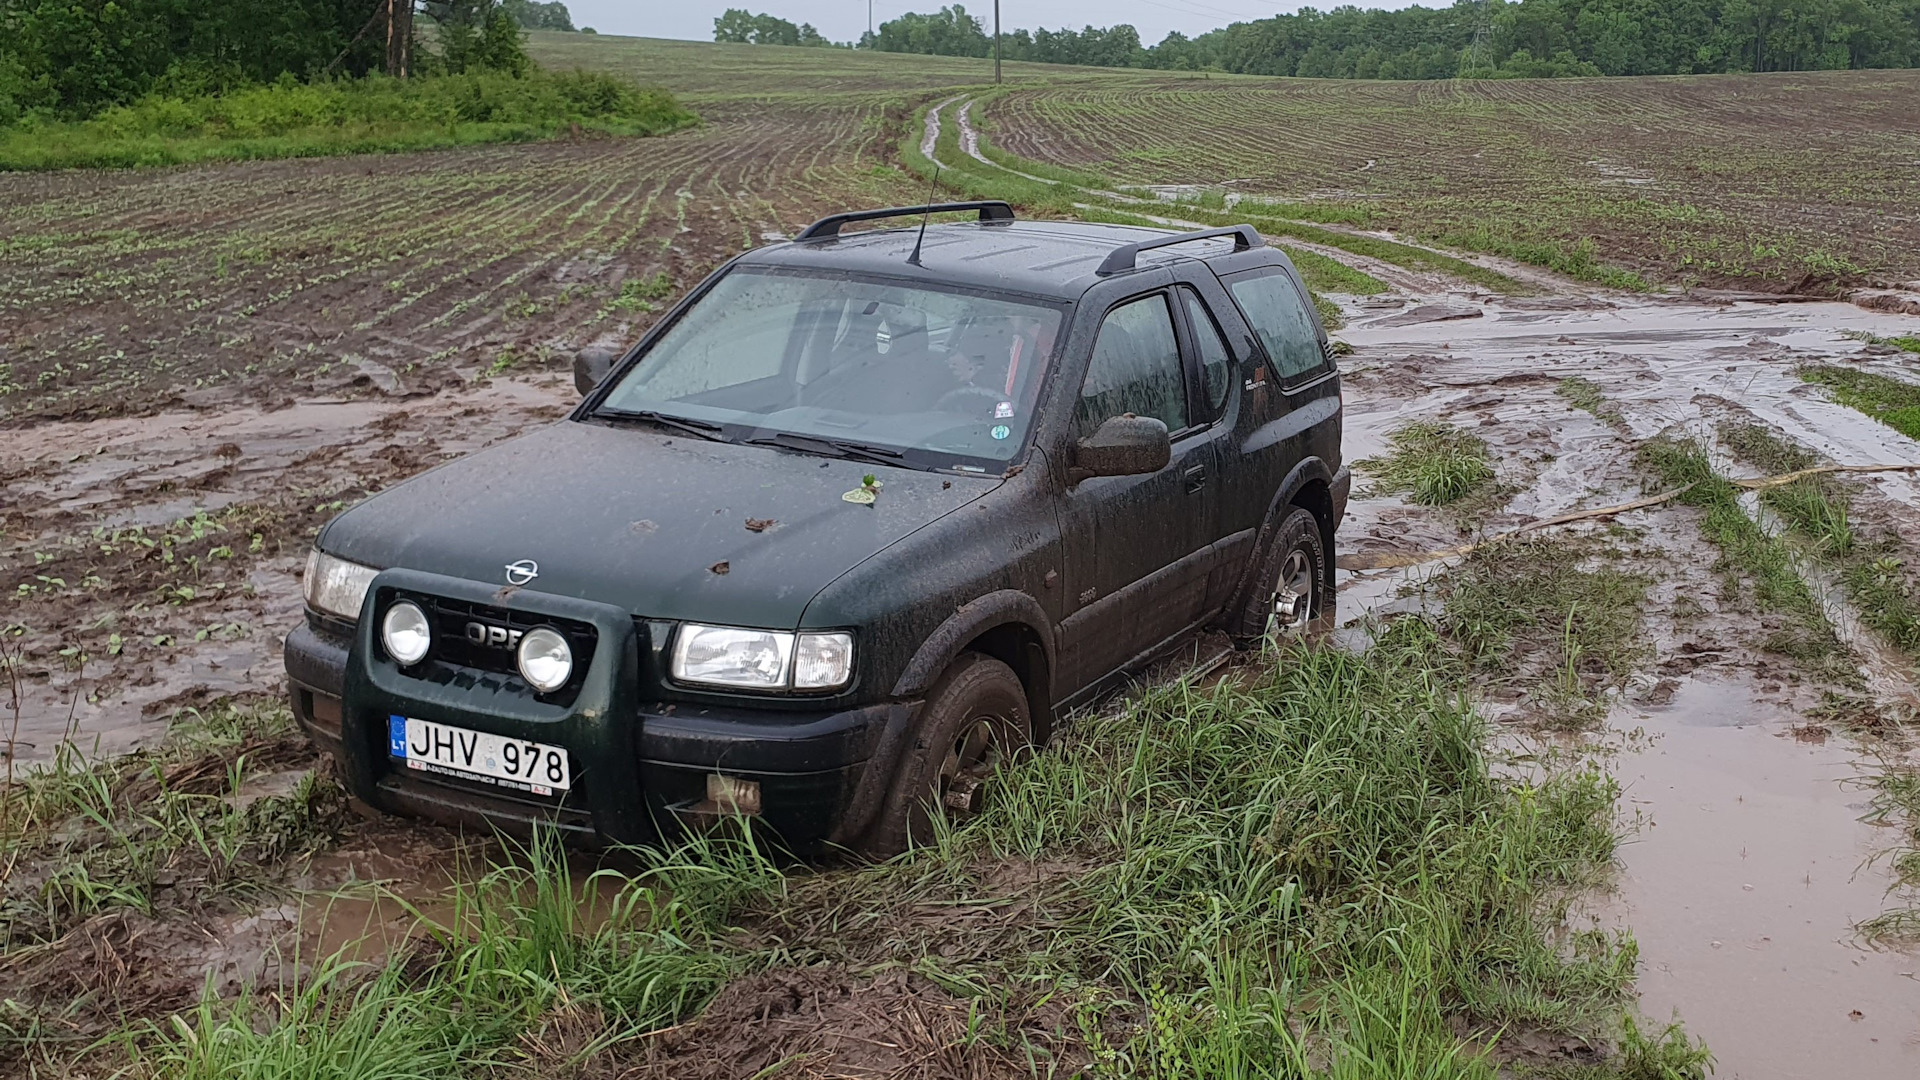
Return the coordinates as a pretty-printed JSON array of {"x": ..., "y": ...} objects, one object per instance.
[
  {"x": 1135, "y": 369},
  {"x": 1216, "y": 363},
  {"x": 1278, "y": 314}
]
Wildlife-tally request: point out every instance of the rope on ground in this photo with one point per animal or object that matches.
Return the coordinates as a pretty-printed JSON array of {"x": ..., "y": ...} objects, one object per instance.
[{"x": 1390, "y": 561}]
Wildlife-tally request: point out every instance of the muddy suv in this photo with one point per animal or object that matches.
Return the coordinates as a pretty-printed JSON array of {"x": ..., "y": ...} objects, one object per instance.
[{"x": 854, "y": 521}]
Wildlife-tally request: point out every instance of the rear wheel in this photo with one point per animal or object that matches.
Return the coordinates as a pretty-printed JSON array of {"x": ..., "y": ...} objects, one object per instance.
[
  {"x": 973, "y": 719},
  {"x": 1289, "y": 593}
]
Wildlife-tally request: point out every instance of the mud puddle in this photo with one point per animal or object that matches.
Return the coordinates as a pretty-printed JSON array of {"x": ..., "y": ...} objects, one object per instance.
[
  {"x": 1742, "y": 888},
  {"x": 154, "y": 562}
]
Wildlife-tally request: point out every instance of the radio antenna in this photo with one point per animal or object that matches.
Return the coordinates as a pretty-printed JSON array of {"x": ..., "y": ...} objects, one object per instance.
[{"x": 914, "y": 259}]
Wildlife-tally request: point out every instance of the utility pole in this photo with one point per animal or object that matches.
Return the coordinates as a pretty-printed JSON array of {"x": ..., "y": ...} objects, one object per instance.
[{"x": 996, "y": 42}]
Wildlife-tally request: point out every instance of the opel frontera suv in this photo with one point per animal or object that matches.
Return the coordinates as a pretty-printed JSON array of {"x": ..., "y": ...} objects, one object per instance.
[{"x": 851, "y": 524}]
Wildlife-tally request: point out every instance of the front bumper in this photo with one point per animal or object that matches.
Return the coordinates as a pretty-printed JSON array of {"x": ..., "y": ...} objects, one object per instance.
[
  {"x": 1339, "y": 492},
  {"x": 641, "y": 768}
]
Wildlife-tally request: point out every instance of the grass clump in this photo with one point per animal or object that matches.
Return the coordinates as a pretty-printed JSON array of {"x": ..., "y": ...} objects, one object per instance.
[
  {"x": 172, "y": 828},
  {"x": 1579, "y": 261},
  {"x": 1905, "y": 342},
  {"x": 346, "y": 116},
  {"x": 1748, "y": 556},
  {"x": 1432, "y": 463},
  {"x": 525, "y": 946},
  {"x": 1891, "y": 401},
  {"x": 1527, "y": 616},
  {"x": 1585, "y": 394}
]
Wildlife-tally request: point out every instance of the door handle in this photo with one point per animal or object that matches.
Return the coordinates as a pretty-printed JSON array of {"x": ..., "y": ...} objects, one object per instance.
[{"x": 1196, "y": 478}]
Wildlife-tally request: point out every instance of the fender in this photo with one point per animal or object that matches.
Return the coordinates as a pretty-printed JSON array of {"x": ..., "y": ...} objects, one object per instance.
[
  {"x": 1001, "y": 608},
  {"x": 969, "y": 621},
  {"x": 1307, "y": 471}
]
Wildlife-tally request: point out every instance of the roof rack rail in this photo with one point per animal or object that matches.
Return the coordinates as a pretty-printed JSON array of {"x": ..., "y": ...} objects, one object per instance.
[
  {"x": 991, "y": 210},
  {"x": 1124, "y": 257}
]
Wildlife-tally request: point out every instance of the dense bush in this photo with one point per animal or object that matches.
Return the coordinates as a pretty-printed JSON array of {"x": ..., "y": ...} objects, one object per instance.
[{"x": 289, "y": 118}]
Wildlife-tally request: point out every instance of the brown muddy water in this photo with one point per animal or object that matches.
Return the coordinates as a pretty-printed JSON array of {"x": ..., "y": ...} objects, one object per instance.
[
  {"x": 1749, "y": 865},
  {"x": 1749, "y": 870}
]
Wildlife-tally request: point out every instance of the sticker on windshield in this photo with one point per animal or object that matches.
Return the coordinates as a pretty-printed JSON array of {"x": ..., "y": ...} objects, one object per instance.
[
  {"x": 1003, "y": 410},
  {"x": 1000, "y": 431}
]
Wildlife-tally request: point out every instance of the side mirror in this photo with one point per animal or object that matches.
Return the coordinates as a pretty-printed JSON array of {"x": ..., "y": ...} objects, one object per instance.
[
  {"x": 590, "y": 367},
  {"x": 1125, "y": 445}
]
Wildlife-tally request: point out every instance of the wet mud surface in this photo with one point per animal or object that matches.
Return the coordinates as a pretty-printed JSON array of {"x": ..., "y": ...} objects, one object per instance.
[
  {"x": 154, "y": 562},
  {"x": 1750, "y": 862}
]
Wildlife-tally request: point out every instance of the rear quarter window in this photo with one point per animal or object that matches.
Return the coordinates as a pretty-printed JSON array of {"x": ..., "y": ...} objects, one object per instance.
[{"x": 1277, "y": 311}]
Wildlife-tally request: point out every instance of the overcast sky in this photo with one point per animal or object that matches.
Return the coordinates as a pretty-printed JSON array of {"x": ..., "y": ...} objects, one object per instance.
[{"x": 845, "y": 20}]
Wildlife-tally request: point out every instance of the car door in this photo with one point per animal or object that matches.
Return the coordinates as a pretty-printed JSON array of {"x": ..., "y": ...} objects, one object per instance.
[{"x": 1136, "y": 565}]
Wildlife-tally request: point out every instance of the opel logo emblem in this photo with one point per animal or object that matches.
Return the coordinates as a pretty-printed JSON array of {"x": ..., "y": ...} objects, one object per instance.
[{"x": 519, "y": 573}]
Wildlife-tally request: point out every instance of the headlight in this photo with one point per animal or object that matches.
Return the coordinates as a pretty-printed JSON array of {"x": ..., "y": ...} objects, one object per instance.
[
  {"x": 336, "y": 586},
  {"x": 723, "y": 656},
  {"x": 761, "y": 659},
  {"x": 822, "y": 661},
  {"x": 405, "y": 633},
  {"x": 546, "y": 661}
]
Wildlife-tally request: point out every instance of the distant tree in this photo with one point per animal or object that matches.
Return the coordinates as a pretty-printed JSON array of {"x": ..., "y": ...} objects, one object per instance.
[
  {"x": 743, "y": 27},
  {"x": 947, "y": 32},
  {"x": 534, "y": 15},
  {"x": 477, "y": 35}
]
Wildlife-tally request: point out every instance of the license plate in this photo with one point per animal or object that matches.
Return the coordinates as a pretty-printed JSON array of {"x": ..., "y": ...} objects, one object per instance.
[{"x": 477, "y": 755}]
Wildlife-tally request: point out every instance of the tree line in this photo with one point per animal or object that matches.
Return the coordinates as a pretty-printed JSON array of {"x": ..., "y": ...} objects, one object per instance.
[
  {"x": 1471, "y": 39},
  {"x": 66, "y": 59}
]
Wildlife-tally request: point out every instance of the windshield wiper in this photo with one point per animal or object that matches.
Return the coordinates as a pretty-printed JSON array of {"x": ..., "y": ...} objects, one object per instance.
[
  {"x": 699, "y": 428},
  {"x": 814, "y": 444}
]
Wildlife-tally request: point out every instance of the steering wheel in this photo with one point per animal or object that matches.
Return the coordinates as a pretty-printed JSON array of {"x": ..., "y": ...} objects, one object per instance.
[{"x": 960, "y": 395}]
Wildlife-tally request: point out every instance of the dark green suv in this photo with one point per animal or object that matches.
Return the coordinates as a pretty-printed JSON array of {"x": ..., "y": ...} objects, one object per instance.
[{"x": 862, "y": 515}]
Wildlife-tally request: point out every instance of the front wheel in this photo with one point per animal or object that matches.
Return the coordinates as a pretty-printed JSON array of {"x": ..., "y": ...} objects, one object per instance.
[
  {"x": 974, "y": 718},
  {"x": 1289, "y": 593}
]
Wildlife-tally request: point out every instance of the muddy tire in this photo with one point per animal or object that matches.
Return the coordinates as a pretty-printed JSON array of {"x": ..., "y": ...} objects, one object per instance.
[
  {"x": 973, "y": 719},
  {"x": 1289, "y": 593}
]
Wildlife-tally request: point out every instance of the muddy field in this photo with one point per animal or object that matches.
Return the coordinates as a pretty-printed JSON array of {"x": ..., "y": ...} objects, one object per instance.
[
  {"x": 203, "y": 364},
  {"x": 1797, "y": 182}
]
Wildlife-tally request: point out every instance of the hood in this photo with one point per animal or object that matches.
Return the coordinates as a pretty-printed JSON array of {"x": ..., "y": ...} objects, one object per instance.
[{"x": 630, "y": 517}]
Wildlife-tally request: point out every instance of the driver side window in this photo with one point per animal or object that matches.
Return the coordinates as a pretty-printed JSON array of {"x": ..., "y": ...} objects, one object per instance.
[{"x": 1135, "y": 368}]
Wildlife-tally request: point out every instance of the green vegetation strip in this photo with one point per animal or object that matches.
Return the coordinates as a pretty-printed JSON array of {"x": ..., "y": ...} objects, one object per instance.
[
  {"x": 1749, "y": 555},
  {"x": 1891, "y": 401},
  {"x": 346, "y": 116}
]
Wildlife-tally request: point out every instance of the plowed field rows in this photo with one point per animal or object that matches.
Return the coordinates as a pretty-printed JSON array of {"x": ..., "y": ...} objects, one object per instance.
[
  {"x": 126, "y": 290},
  {"x": 1777, "y": 180}
]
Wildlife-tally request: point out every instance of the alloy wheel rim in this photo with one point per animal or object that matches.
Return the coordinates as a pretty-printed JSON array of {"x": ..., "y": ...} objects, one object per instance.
[
  {"x": 970, "y": 759},
  {"x": 1293, "y": 596}
]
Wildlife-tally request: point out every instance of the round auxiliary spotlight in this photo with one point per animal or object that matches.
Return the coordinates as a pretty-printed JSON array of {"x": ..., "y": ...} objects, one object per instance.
[{"x": 546, "y": 660}]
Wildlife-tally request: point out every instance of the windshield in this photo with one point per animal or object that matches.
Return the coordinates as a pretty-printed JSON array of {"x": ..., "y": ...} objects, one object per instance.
[{"x": 932, "y": 373}]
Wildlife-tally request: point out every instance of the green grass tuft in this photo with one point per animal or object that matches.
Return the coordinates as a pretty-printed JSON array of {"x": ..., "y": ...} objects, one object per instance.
[
  {"x": 1891, "y": 401},
  {"x": 1432, "y": 463}
]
